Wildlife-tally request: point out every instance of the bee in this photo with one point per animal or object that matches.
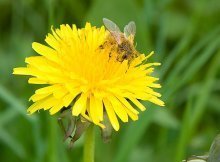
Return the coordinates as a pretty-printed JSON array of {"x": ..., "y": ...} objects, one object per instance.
[{"x": 122, "y": 43}]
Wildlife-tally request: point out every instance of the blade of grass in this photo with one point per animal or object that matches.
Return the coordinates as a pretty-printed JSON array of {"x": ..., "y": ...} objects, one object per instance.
[
  {"x": 132, "y": 135},
  {"x": 182, "y": 142},
  {"x": 11, "y": 142},
  {"x": 39, "y": 145},
  {"x": 181, "y": 45},
  {"x": 187, "y": 58},
  {"x": 177, "y": 83},
  {"x": 53, "y": 154},
  {"x": 51, "y": 20},
  {"x": 7, "y": 115},
  {"x": 192, "y": 70},
  {"x": 205, "y": 91},
  {"x": 198, "y": 108},
  {"x": 186, "y": 40},
  {"x": 214, "y": 103},
  {"x": 161, "y": 38},
  {"x": 143, "y": 23},
  {"x": 192, "y": 89},
  {"x": 17, "y": 105},
  {"x": 200, "y": 61},
  {"x": 165, "y": 118}
]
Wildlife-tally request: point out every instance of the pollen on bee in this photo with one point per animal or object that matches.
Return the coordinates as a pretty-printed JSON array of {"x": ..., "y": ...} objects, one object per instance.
[{"x": 121, "y": 43}]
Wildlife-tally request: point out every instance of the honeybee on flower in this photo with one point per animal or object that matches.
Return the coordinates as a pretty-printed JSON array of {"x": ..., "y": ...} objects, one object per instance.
[
  {"x": 91, "y": 75},
  {"x": 122, "y": 43}
]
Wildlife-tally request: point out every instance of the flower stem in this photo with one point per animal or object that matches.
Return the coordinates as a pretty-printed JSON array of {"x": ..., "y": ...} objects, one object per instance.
[{"x": 89, "y": 145}]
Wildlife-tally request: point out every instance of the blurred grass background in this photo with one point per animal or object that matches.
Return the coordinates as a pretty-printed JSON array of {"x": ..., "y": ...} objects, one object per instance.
[{"x": 186, "y": 38}]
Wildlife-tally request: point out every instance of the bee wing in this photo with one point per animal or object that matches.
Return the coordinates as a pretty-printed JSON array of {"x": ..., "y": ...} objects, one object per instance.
[
  {"x": 130, "y": 29},
  {"x": 113, "y": 29}
]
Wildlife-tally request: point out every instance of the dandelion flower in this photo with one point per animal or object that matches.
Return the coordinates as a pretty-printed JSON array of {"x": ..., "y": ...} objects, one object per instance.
[{"x": 76, "y": 73}]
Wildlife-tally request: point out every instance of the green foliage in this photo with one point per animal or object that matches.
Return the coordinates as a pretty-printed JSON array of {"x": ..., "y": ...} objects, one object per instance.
[{"x": 185, "y": 38}]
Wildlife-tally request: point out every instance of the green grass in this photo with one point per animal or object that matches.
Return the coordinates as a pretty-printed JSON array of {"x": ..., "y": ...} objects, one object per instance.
[{"x": 185, "y": 38}]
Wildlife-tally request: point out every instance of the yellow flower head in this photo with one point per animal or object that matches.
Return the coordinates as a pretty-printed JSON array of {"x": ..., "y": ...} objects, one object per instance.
[{"x": 81, "y": 75}]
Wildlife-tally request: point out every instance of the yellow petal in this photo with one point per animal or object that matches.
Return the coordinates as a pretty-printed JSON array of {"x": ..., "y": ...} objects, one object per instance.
[
  {"x": 56, "y": 108},
  {"x": 132, "y": 115},
  {"x": 137, "y": 103},
  {"x": 37, "y": 97},
  {"x": 150, "y": 64},
  {"x": 118, "y": 108},
  {"x": 154, "y": 85},
  {"x": 60, "y": 92},
  {"x": 149, "y": 55},
  {"x": 45, "y": 104},
  {"x": 37, "y": 81},
  {"x": 43, "y": 50},
  {"x": 99, "y": 106},
  {"x": 93, "y": 110},
  {"x": 127, "y": 104},
  {"x": 156, "y": 101},
  {"x": 68, "y": 99},
  {"x": 52, "y": 41},
  {"x": 79, "y": 104},
  {"x": 111, "y": 114},
  {"x": 152, "y": 92},
  {"x": 22, "y": 71},
  {"x": 48, "y": 89}
]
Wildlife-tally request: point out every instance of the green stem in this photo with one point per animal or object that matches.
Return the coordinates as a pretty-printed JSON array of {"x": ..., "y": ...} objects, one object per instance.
[{"x": 89, "y": 145}]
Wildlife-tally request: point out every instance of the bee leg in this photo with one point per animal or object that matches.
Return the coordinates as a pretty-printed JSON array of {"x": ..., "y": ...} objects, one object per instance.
[
  {"x": 101, "y": 47},
  {"x": 124, "y": 57},
  {"x": 80, "y": 128},
  {"x": 109, "y": 56}
]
